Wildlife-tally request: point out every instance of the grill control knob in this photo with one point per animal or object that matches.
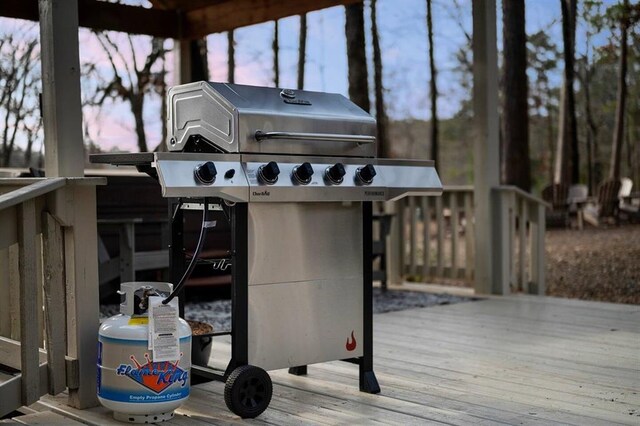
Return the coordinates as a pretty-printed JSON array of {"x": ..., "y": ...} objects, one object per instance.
[
  {"x": 206, "y": 173},
  {"x": 303, "y": 173},
  {"x": 268, "y": 173},
  {"x": 366, "y": 173},
  {"x": 335, "y": 173}
]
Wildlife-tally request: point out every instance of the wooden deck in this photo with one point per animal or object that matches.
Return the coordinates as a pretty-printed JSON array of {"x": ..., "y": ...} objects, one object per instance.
[{"x": 513, "y": 360}]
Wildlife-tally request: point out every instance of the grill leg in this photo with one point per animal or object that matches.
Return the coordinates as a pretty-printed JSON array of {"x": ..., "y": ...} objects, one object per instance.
[
  {"x": 368, "y": 381},
  {"x": 239, "y": 288},
  {"x": 300, "y": 370}
]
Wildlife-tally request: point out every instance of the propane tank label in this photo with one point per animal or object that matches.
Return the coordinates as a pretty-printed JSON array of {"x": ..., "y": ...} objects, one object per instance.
[
  {"x": 127, "y": 373},
  {"x": 163, "y": 328}
]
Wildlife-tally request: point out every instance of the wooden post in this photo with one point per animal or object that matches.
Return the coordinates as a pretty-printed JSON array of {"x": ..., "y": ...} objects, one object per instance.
[
  {"x": 55, "y": 303},
  {"x": 29, "y": 327},
  {"x": 440, "y": 202},
  {"x": 538, "y": 264},
  {"x": 61, "y": 107},
  {"x": 454, "y": 235},
  {"x": 413, "y": 252},
  {"x": 486, "y": 143},
  {"x": 502, "y": 242},
  {"x": 468, "y": 235},
  {"x": 76, "y": 207},
  {"x": 426, "y": 219}
]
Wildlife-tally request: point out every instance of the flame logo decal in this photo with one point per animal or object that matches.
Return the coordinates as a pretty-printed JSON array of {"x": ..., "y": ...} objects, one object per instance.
[{"x": 351, "y": 345}]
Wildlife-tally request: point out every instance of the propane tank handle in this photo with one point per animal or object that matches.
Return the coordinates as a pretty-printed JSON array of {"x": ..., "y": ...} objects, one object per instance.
[{"x": 128, "y": 289}]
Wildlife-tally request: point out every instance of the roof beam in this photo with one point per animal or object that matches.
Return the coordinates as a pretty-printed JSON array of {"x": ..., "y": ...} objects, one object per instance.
[
  {"x": 100, "y": 15},
  {"x": 227, "y": 15}
]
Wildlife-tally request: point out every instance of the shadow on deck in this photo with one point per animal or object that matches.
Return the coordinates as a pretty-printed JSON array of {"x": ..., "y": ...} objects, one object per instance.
[{"x": 514, "y": 360}]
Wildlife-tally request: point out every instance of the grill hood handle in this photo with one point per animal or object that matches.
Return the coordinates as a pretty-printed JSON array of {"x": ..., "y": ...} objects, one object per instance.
[{"x": 329, "y": 137}]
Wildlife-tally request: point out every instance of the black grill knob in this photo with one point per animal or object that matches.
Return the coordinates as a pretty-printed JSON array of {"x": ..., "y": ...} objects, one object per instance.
[
  {"x": 268, "y": 173},
  {"x": 303, "y": 173},
  {"x": 366, "y": 173},
  {"x": 230, "y": 173},
  {"x": 206, "y": 172},
  {"x": 335, "y": 173}
]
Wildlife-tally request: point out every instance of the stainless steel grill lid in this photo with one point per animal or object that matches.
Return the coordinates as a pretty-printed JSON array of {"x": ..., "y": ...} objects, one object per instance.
[{"x": 220, "y": 117}]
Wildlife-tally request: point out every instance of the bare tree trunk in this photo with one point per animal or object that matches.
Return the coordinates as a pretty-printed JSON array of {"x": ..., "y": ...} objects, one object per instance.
[
  {"x": 381, "y": 115},
  {"x": 276, "y": 53},
  {"x": 137, "y": 108},
  {"x": 356, "y": 56},
  {"x": 515, "y": 113},
  {"x": 618, "y": 133},
  {"x": 231, "y": 58},
  {"x": 302, "y": 50},
  {"x": 567, "y": 168},
  {"x": 433, "y": 89}
]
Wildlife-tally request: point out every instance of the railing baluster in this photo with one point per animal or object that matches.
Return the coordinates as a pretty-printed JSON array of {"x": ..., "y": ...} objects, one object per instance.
[
  {"x": 468, "y": 235},
  {"x": 402, "y": 240},
  {"x": 454, "y": 235},
  {"x": 413, "y": 270},
  {"x": 14, "y": 290},
  {"x": 513, "y": 212},
  {"x": 440, "y": 235}
]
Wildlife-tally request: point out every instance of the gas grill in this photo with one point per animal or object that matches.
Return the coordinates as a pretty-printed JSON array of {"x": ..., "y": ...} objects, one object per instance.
[{"x": 295, "y": 174}]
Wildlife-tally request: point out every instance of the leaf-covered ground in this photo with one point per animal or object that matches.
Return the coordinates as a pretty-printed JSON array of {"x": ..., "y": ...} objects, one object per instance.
[{"x": 595, "y": 263}]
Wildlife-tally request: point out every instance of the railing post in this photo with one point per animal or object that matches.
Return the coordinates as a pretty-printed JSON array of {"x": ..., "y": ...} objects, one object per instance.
[
  {"x": 413, "y": 253},
  {"x": 538, "y": 265},
  {"x": 54, "y": 302},
  {"x": 426, "y": 232},
  {"x": 523, "y": 218},
  {"x": 469, "y": 234},
  {"x": 29, "y": 327},
  {"x": 502, "y": 245},
  {"x": 78, "y": 204}
]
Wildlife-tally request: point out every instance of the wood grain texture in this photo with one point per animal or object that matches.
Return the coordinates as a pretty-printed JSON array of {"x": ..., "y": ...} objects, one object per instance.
[
  {"x": 29, "y": 327},
  {"x": 513, "y": 360},
  {"x": 54, "y": 302}
]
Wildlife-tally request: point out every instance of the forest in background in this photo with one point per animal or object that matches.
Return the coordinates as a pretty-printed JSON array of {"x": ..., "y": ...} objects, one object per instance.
[{"x": 134, "y": 71}]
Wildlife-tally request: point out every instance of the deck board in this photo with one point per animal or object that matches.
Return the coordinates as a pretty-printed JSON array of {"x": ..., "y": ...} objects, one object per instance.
[{"x": 503, "y": 360}]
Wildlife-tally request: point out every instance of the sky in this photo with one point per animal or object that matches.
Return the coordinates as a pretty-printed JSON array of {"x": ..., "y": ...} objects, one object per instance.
[{"x": 402, "y": 29}]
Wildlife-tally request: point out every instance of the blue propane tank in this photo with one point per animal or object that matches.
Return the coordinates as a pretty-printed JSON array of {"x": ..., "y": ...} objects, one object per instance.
[{"x": 130, "y": 383}]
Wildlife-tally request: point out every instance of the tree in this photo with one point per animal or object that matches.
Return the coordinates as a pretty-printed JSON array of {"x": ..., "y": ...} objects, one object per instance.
[
  {"x": 131, "y": 81},
  {"x": 515, "y": 113},
  {"x": 302, "y": 50},
  {"x": 542, "y": 59},
  {"x": 433, "y": 88},
  {"x": 381, "y": 115},
  {"x": 19, "y": 87},
  {"x": 231, "y": 57},
  {"x": 276, "y": 55},
  {"x": 567, "y": 157},
  {"x": 356, "y": 56},
  {"x": 623, "y": 14}
]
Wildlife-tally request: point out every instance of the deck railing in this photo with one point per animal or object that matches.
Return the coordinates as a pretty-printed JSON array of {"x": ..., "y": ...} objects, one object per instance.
[
  {"x": 432, "y": 238},
  {"x": 49, "y": 290}
]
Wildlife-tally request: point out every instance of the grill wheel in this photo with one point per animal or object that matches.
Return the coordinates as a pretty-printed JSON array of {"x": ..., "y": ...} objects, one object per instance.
[{"x": 247, "y": 391}]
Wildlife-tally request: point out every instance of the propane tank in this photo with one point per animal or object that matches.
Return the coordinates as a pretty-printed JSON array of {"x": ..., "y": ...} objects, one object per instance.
[{"x": 130, "y": 383}]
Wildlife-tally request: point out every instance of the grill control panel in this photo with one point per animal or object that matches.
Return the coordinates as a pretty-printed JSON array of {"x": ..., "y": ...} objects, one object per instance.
[{"x": 279, "y": 178}]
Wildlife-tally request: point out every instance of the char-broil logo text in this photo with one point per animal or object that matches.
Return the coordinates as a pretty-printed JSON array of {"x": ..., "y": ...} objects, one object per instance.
[
  {"x": 374, "y": 193},
  {"x": 264, "y": 193},
  {"x": 155, "y": 376}
]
